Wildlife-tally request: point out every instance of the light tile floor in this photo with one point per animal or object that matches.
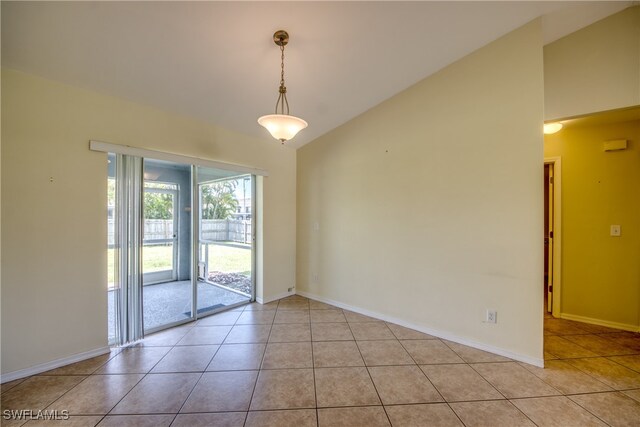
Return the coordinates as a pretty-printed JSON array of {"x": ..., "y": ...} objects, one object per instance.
[
  {"x": 170, "y": 302},
  {"x": 299, "y": 362}
]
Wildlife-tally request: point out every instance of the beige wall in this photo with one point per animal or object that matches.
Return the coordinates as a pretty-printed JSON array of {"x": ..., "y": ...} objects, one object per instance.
[
  {"x": 594, "y": 69},
  {"x": 427, "y": 208},
  {"x": 54, "y": 231},
  {"x": 600, "y": 273}
]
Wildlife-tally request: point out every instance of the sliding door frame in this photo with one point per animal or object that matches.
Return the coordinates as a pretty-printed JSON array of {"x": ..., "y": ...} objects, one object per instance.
[
  {"x": 195, "y": 227},
  {"x": 254, "y": 232},
  {"x": 193, "y": 162}
]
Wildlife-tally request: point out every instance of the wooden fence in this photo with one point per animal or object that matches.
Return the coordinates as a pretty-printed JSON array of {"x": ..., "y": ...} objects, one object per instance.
[
  {"x": 218, "y": 230},
  {"x": 228, "y": 230},
  {"x": 158, "y": 229}
]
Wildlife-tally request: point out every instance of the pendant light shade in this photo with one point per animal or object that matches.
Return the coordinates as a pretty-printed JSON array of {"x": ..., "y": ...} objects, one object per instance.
[{"x": 281, "y": 125}]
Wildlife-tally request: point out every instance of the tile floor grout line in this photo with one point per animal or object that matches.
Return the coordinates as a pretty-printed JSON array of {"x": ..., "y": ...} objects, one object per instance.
[
  {"x": 452, "y": 401},
  {"x": 445, "y": 401},
  {"x": 566, "y": 361},
  {"x": 156, "y": 364},
  {"x": 488, "y": 382},
  {"x": 191, "y": 392},
  {"x": 17, "y": 383},
  {"x": 543, "y": 380},
  {"x": 454, "y": 412},
  {"x": 620, "y": 364},
  {"x": 255, "y": 384},
  {"x": 99, "y": 421},
  {"x": 126, "y": 394},
  {"x": 587, "y": 409},
  {"x": 606, "y": 339},
  {"x": 577, "y": 345},
  {"x": 460, "y": 356},
  {"x": 313, "y": 367},
  {"x": 86, "y": 377},
  {"x": 205, "y": 369},
  {"x": 369, "y": 373},
  {"x": 523, "y": 413},
  {"x": 589, "y": 373},
  {"x": 584, "y": 357},
  {"x": 60, "y": 397}
]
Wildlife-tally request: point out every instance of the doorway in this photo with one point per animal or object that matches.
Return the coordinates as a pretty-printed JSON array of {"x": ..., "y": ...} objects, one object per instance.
[
  {"x": 167, "y": 291},
  {"x": 548, "y": 236},
  {"x": 552, "y": 255},
  {"x": 181, "y": 237},
  {"x": 160, "y": 240},
  {"x": 226, "y": 236}
]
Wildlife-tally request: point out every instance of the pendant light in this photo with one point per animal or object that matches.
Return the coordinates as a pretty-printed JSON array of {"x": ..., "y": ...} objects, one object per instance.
[{"x": 281, "y": 125}]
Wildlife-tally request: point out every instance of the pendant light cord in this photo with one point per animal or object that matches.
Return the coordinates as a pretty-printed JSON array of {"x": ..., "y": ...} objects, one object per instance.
[
  {"x": 282, "y": 101},
  {"x": 282, "y": 66}
]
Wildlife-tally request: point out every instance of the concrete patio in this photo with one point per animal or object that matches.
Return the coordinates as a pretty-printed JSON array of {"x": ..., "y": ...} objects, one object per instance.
[{"x": 170, "y": 302}]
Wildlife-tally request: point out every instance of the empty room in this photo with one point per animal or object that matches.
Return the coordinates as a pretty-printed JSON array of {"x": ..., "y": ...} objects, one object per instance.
[{"x": 320, "y": 213}]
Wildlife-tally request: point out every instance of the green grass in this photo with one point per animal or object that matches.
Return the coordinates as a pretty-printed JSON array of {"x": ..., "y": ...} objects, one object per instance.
[
  {"x": 157, "y": 258},
  {"x": 227, "y": 259}
]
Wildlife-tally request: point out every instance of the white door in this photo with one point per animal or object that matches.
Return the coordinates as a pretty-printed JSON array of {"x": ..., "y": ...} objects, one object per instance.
[{"x": 160, "y": 238}]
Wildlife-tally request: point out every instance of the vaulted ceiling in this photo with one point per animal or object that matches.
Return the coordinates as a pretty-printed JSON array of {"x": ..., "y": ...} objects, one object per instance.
[{"x": 216, "y": 61}]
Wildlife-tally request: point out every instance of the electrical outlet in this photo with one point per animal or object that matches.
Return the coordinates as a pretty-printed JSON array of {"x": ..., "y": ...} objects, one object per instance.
[
  {"x": 491, "y": 316},
  {"x": 315, "y": 278},
  {"x": 290, "y": 289}
]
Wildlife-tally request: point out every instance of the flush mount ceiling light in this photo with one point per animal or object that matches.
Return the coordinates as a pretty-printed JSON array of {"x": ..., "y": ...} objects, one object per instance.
[
  {"x": 281, "y": 125},
  {"x": 550, "y": 128}
]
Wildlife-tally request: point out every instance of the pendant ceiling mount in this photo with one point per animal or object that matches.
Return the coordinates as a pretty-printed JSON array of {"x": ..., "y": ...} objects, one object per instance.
[{"x": 281, "y": 38}]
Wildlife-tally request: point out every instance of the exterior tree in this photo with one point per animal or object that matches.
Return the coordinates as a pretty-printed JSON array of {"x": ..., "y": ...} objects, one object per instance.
[
  {"x": 218, "y": 200},
  {"x": 157, "y": 205}
]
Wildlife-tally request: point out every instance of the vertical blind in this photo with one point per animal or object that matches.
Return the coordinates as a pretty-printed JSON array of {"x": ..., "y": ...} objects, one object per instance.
[{"x": 128, "y": 241}]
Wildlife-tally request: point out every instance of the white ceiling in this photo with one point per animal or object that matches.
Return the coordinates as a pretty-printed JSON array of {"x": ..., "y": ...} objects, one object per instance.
[
  {"x": 216, "y": 61},
  {"x": 604, "y": 118}
]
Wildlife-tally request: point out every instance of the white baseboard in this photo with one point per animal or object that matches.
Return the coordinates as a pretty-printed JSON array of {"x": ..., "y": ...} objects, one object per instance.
[
  {"x": 44, "y": 367},
  {"x": 274, "y": 297},
  {"x": 600, "y": 322},
  {"x": 436, "y": 333}
]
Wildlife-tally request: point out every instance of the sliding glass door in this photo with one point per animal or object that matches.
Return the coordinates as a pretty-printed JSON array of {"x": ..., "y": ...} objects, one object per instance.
[
  {"x": 166, "y": 251},
  {"x": 179, "y": 237},
  {"x": 225, "y": 239}
]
